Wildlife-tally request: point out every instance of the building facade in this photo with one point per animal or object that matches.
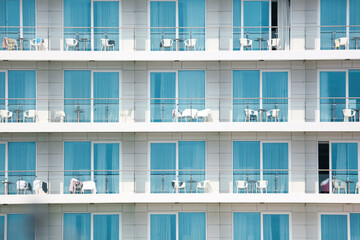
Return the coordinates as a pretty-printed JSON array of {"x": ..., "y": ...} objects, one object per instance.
[{"x": 180, "y": 119}]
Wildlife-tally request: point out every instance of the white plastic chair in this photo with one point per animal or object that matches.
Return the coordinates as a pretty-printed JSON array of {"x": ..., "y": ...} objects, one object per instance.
[
  {"x": 191, "y": 113},
  {"x": 60, "y": 116},
  {"x": 167, "y": 43},
  {"x": 274, "y": 43},
  {"x": 338, "y": 185},
  {"x": 357, "y": 187},
  {"x": 176, "y": 114},
  {"x": 22, "y": 186},
  {"x": 249, "y": 113},
  {"x": 178, "y": 185},
  {"x": 127, "y": 114},
  {"x": 88, "y": 186},
  {"x": 30, "y": 114},
  {"x": 5, "y": 115},
  {"x": 261, "y": 185},
  {"x": 202, "y": 185},
  {"x": 204, "y": 114},
  {"x": 242, "y": 185},
  {"x": 273, "y": 114},
  {"x": 36, "y": 43},
  {"x": 246, "y": 43},
  {"x": 190, "y": 43},
  {"x": 349, "y": 114},
  {"x": 10, "y": 44},
  {"x": 38, "y": 187},
  {"x": 106, "y": 45},
  {"x": 71, "y": 43},
  {"x": 341, "y": 42}
]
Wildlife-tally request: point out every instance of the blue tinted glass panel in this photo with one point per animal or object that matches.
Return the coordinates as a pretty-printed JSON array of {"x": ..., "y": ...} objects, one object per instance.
[
  {"x": 163, "y": 157},
  {"x": 21, "y": 157},
  {"x": 106, "y": 97},
  {"x": 256, "y": 14},
  {"x": 332, "y": 14},
  {"x": 354, "y": 226},
  {"x": 106, "y": 227},
  {"x": 106, "y": 157},
  {"x": 2, "y": 90},
  {"x": 163, "y": 226},
  {"x": 344, "y": 156},
  {"x": 22, "y": 91},
  {"x": 77, "y": 93},
  {"x": 246, "y": 226},
  {"x": 9, "y": 19},
  {"x": 24, "y": 221},
  {"x": 191, "y": 89},
  {"x": 106, "y": 15},
  {"x": 192, "y": 22},
  {"x": 28, "y": 10},
  {"x": 354, "y": 91},
  {"x": 2, "y": 169},
  {"x": 191, "y": 157},
  {"x": 77, "y": 22},
  {"x": 77, "y": 158},
  {"x": 276, "y": 226},
  {"x": 246, "y": 93},
  {"x": 275, "y": 93},
  {"x": 2, "y": 228},
  {"x": 77, "y": 226},
  {"x": 334, "y": 227},
  {"x": 236, "y": 24},
  {"x": 162, "y": 22},
  {"x": 192, "y": 226},
  {"x": 354, "y": 21},
  {"x": 276, "y": 156},
  {"x": 332, "y": 94},
  {"x": 246, "y": 155},
  {"x": 162, "y": 94}
]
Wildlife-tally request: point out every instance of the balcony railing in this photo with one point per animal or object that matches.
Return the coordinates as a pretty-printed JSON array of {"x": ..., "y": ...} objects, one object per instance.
[
  {"x": 175, "y": 181},
  {"x": 220, "y": 38},
  {"x": 190, "y": 110}
]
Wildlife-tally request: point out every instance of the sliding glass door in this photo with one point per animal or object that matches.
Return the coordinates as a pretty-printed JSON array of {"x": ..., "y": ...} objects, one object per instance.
[
  {"x": 334, "y": 227},
  {"x": 77, "y": 226},
  {"x": 106, "y": 227},
  {"x": 163, "y": 226},
  {"x": 21, "y": 226}
]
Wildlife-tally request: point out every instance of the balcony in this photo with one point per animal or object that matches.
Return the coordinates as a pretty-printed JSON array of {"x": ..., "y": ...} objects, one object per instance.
[
  {"x": 187, "y": 186},
  {"x": 168, "y": 44}
]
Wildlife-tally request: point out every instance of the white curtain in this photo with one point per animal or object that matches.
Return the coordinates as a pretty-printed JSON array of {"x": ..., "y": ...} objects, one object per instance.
[{"x": 283, "y": 23}]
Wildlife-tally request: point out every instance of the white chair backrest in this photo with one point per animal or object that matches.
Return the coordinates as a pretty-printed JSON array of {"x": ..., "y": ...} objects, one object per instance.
[
  {"x": 248, "y": 112},
  {"x": 191, "y": 42},
  {"x": 245, "y": 41},
  {"x": 339, "y": 184},
  {"x": 275, "y": 42},
  {"x": 167, "y": 42},
  {"x": 89, "y": 185},
  {"x": 262, "y": 184},
  {"x": 5, "y": 114},
  {"x": 59, "y": 114},
  {"x": 70, "y": 41},
  {"x": 21, "y": 185},
  {"x": 349, "y": 112},
  {"x": 104, "y": 41},
  {"x": 30, "y": 113},
  {"x": 241, "y": 184},
  {"x": 275, "y": 112},
  {"x": 176, "y": 183}
]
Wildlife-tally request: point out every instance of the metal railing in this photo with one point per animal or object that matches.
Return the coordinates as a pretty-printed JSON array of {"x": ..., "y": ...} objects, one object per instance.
[
  {"x": 221, "y": 38},
  {"x": 115, "y": 110},
  {"x": 180, "y": 181}
]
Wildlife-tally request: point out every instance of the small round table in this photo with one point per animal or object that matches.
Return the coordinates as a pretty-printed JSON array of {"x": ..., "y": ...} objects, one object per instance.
[
  {"x": 261, "y": 113},
  {"x": 84, "y": 40},
  {"x": 177, "y": 41},
  {"x": 260, "y": 40},
  {"x": 78, "y": 110}
]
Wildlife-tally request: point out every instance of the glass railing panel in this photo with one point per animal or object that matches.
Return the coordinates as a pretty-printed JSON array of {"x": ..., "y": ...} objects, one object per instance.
[
  {"x": 331, "y": 110},
  {"x": 329, "y": 35},
  {"x": 77, "y": 110},
  {"x": 162, "y": 181}
]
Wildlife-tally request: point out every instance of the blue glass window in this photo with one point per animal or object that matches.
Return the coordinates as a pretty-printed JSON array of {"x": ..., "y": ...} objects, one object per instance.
[
  {"x": 77, "y": 93},
  {"x": 354, "y": 226},
  {"x": 106, "y": 157},
  {"x": 106, "y": 23},
  {"x": 276, "y": 156},
  {"x": 192, "y": 226},
  {"x": 28, "y": 9},
  {"x": 2, "y": 168},
  {"x": 332, "y": 14},
  {"x": 344, "y": 156},
  {"x": 275, "y": 93},
  {"x": 24, "y": 221},
  {"x": 276, "y": 226},
  {"x": 77, "y": 158},
  {"x": 191, "y": 157},
  {"x": 106, "y": 95},
  {"x": 2, "y": 227},
  {"x": 77, "y": 226},
  {"x": 246, "y": 226},
  {"x": 334, "y": 227},
  {"x": 256, "y": 14},
  {"x": 236, "y": 24},
  {"x": 246, "y": 93},
  {"x": 2, "y": 90},
  {"x": 163, "y": 157},
  {"x": 106, "y": 227},
  {"x": 191, "y": 90},
  {"x": 163, "y": 226},
  {"x": 246, "y": 155},
  {"x": 22, "y": 91},
  {"x": 77, "y": 21},
  {"x": 192, "y": 21},
  {"x": 162, "y": 94},
  {"x": 332, "y": 94},
  {"x": 21, "y": 157},
  {"x": 162, "y": 22},
  {"x": 354, "y": 6},
  {"x": 354, "y": 90}
]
